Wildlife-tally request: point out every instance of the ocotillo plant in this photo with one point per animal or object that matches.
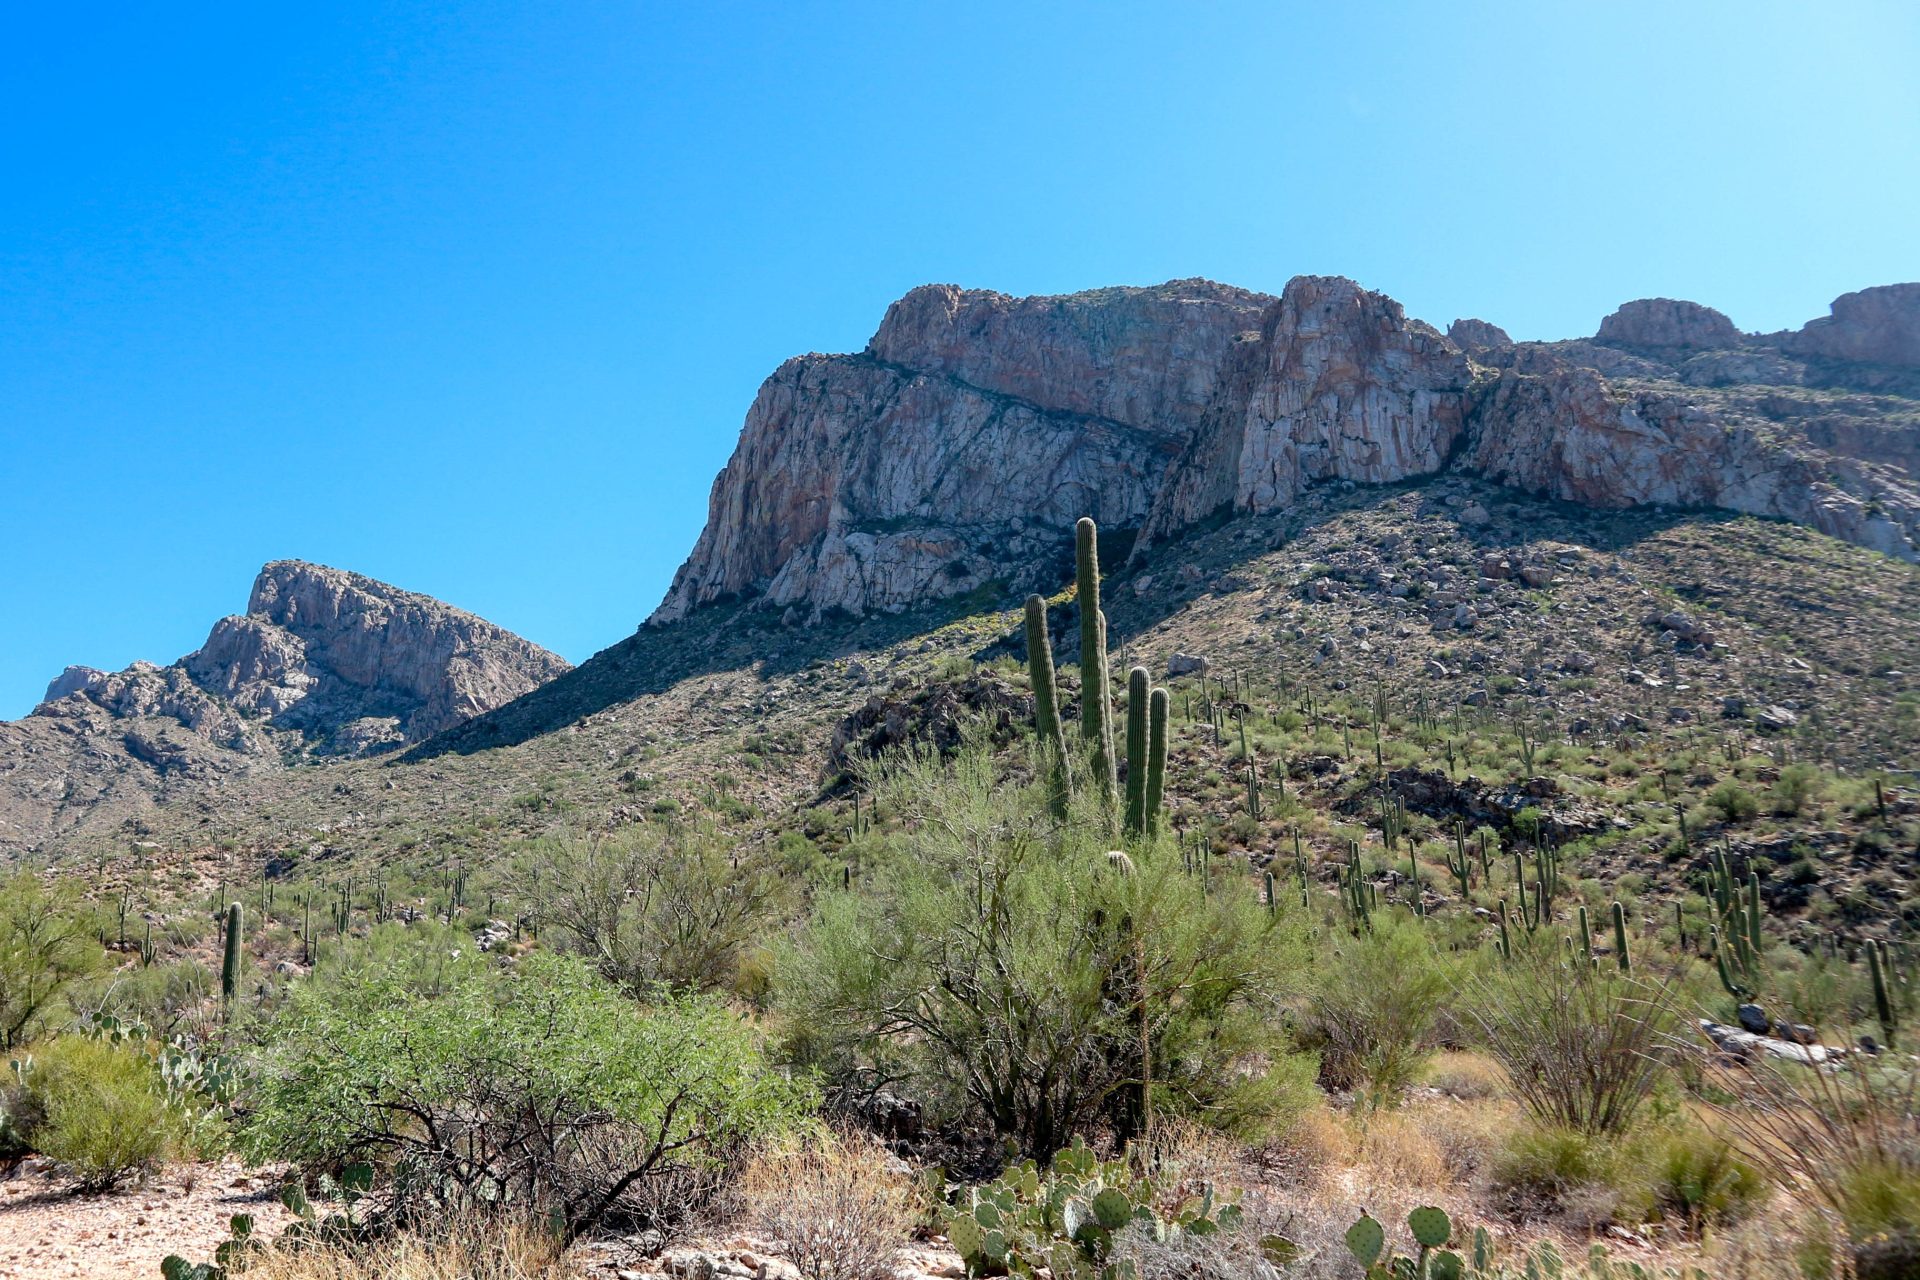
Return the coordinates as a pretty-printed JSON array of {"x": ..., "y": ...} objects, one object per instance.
[
  {"x": 1046, "y": 699},
  {"x": 230, "y": 962},
  {"x": 1137, "y": 699},
  {"x": 1158, "y": 706},
  {"x": 1096, "y": 724}
]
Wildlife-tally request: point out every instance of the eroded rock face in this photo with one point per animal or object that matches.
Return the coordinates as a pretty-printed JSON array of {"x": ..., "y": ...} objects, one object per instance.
[
  {"x": 350, "y": 663},
  {"x": 1874, "y": 326},
  {"x": 957, "y": 450},
  {"x": 1668, "y": 323},
  {"x": 1339, "y": 385},
  {"x": 961, "y": 446}
]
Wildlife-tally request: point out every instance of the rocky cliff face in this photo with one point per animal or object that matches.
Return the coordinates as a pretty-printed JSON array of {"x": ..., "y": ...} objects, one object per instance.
[
  {"x": 961, "y": 446},
  {"x": 348, "y": 663},
  {"x": 957, "y": 450}
]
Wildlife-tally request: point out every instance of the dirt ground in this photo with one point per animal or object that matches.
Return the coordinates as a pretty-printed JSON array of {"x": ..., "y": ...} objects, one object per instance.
[{"x": 48, "y": 1233}]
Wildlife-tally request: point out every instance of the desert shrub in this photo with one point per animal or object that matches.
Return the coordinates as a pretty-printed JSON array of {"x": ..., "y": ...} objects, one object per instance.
[
  {"x": 1372, "y": 1008},
  {"x": 999, "y": 962},
  {"x": 166, "y": 998},
  {"x": 45, "y": 947},
  {"x": 831, "y": 1206},
  {"x": 1544, "y": 1167},
  {"x": 645, "y": 907},
  {"x": 1794, "y": 788},
  {"x": 466, "y": 1247},
  {"x": 540, "y": 1087},
  {"x": 1732, "y": 802},
  {"x": 1582, "y": 1045},
  {"x": 1696, "y": 1177},
  {"x": 99, "y": 1109},
  {"x": 1849, "y": 1139}
]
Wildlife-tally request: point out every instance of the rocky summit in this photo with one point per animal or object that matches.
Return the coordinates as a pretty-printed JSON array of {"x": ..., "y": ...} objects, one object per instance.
[
  {"x": 322, "y": 663},
  {"x": 955, "y": 452}
]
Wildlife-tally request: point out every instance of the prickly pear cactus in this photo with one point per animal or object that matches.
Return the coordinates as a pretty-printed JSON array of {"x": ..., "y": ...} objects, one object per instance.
[
  {"x": 1430, "y": 1226},
  {"x": 1365, "y": 1239},
  {"x": 1064, "y": 1221}
]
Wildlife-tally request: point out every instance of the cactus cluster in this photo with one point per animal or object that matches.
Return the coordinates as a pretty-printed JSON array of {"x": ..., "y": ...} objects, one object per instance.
[
  {"x": 1432, "y": 1230},
  {"x": 1064, "y": 1221}
]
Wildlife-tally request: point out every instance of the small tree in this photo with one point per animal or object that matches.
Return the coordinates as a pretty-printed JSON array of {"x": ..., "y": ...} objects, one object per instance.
[
  {"x": 646, "y": 908},
  {"x": 543, "y": 1088},
  {"x": 1003, "y": 961},
  {"x": 44, "y": 948}
]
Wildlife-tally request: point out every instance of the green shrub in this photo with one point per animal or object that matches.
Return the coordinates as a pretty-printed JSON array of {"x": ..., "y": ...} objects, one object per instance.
[
  {"x": 101, "y": 1108},
  {"x": 1000, "y": 964},
  {"x": 647, "y": 908},
  {"x": 1373, "y": 1007},
  {"x": 1732, "y": 802},
  {"x": 1699, "y": 1179},
  {"x": 1582, "y": 1045},
  {"x": 543, "y": 1086},
  {"x": 1796, "y": 785},
  {"x": 45, "y": 947}
]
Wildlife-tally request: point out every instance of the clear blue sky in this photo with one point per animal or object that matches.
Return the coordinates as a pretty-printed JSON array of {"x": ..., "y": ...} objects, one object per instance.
[{"x": 471, "y": 297}]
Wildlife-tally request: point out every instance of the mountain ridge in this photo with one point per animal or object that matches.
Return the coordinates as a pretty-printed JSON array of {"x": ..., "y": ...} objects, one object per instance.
[{"x": 866, "y": 482}]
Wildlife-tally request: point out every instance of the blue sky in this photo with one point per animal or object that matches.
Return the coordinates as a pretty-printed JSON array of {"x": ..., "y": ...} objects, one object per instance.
[{"x": 472, "y": 297}]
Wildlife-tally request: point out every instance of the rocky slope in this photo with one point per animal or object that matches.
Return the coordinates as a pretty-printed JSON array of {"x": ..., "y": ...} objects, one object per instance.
[
  {"x": 322, "y": 663},
  {"x": 954, "y": 453}
]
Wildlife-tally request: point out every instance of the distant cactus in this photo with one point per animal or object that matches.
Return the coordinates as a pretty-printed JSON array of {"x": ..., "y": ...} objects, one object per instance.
[
  {"x": 1138, "y": 696},
  {"x": 1620, "y": 939},
  {"x": 1158, "y": 707},
  {"x": 1879, "y": 964},
  {"x": 230, "y": 962},
  {"x": 1096, "y": 722},
  {"x": 1737, "y": 939}
]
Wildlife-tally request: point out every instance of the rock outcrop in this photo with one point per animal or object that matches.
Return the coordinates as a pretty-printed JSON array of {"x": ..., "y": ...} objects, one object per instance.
[
  {"x": 1664, "y": 323},
  {"x": 961, "y": 446},
  {"x": 1874, "y": 326},
  {"x": 348, "y": 663},
  {"x": 956, "y": 451}
]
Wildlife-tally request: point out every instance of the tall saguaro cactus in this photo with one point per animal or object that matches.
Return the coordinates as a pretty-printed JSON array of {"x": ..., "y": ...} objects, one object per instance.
[
  {"x": 1096, "y": 722},
  {"x": 1138, "y": 696},
  {"x": 1158, "y": 706},
  {"x": 1046, "y": 700},
  {"x": 230, "y": 961}
]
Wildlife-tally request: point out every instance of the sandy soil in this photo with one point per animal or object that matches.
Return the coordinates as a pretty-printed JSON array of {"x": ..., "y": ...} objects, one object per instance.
[{"x": 48, "y": 1233}]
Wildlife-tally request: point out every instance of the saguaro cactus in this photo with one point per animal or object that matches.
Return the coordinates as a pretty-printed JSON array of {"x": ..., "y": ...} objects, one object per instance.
[
  {"x": 1096, "y": 722},
  {"x": 1137, "y": 698},
  {"x": 1046, "y": 699},
  {"x": 1620, "y": 939},
  {"x": 1158, "y": 707},
  {"x": 230, "y": 962}
]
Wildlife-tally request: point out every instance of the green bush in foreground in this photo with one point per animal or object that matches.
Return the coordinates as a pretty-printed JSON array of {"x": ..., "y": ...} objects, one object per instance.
[
  {"x": 100, "y": 1109},
  {"x": 543, "y": 1089}
]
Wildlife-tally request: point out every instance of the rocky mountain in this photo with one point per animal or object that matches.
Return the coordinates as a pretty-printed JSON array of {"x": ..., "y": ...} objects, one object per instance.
[
  {"x": 955, "y": 452},
  {"x": 322, "y": 663},
  {"x": 350, "y": 664}
]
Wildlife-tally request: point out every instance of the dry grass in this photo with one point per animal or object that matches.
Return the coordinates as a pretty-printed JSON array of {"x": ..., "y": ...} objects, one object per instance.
[
  {"x": 1465, "y": 1076},
  {"x": 1394, "y": 1148},
  {"x": 463, "y": 1250},
  {"x": 831, "y": 1207}
]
